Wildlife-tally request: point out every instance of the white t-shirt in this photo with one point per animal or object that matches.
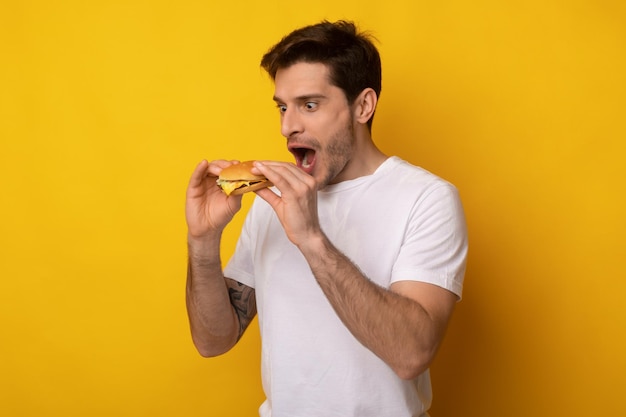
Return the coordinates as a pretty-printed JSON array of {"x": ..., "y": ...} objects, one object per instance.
[{"x": 400, "y": 223}]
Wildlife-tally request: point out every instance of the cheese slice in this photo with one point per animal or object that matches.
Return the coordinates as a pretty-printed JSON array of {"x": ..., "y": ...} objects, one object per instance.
[{"x": 230, "y": 186}]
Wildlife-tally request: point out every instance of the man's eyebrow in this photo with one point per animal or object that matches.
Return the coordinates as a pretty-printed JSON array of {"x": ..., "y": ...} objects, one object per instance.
[{"x": 301, "y": 98}]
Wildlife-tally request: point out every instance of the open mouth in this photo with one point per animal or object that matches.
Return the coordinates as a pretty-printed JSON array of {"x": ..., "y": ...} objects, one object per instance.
[{"x": 305, "y": 157}]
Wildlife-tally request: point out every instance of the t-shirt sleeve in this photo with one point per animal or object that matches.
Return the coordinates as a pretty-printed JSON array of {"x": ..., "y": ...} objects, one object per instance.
[
  {"x": 240, "y": 266},
  {"x": 435, "y": 245}
]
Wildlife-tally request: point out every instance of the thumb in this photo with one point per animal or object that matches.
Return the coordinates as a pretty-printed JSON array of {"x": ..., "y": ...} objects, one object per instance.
[{"x": 269, "y": 196}]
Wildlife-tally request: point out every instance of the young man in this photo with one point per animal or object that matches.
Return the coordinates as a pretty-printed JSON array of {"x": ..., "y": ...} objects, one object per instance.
[{"x": 355, "y": 260}]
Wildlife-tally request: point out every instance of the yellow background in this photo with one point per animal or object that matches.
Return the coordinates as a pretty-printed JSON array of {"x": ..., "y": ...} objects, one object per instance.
[{"x": 106, "y": 107}]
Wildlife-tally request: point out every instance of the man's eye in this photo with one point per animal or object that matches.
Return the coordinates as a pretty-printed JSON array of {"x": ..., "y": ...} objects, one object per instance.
[
  {"x": 281, "y": 108},
  {"x": 310, "y": 105}
]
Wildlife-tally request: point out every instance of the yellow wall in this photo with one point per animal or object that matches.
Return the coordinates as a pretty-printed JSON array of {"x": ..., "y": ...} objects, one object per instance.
[{"x": 106, "y": 107}]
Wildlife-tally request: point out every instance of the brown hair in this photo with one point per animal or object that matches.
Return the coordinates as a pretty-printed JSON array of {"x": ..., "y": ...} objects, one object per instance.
[{"x": 351, "y": 57}]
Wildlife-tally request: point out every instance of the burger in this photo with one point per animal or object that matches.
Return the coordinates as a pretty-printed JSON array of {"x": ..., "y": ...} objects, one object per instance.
[{"x": 237, "y": 179}]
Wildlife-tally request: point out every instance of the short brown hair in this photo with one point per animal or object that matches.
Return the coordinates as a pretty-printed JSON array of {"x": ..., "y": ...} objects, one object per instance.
[{"x": 351, "y": 57}]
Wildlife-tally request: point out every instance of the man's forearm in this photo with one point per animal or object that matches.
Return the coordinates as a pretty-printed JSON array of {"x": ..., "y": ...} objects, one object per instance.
[
  {"x": 213, "y": 321},
  {"x": 394, "y": 327}
]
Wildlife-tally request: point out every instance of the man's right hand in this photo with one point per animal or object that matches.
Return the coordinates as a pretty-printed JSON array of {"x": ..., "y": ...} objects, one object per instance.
[{"x": 208, "y": 210}]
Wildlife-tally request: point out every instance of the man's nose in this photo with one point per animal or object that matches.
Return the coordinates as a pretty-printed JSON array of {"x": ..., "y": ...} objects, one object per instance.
[{"x": 290, "y": 123}]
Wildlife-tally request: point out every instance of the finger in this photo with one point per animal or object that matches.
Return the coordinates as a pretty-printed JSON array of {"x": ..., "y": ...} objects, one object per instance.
[
  {"x": 257, "y": 167},
  {"x": 287, "y": 169},
  {"x": 269, "y": 163},
  {"x": 283, "y": 175},
  {"x": 269, "y": 196},
  {"x": 216, "y": 167},
  {"x": 199, "y": 173}
]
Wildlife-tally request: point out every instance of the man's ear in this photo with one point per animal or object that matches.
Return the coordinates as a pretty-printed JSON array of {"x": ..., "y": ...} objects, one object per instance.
[{"x": 365, "y": 105}]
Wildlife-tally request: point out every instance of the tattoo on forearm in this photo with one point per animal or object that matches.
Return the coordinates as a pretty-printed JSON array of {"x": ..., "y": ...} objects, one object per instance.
[{"x": 244, "y": 302}]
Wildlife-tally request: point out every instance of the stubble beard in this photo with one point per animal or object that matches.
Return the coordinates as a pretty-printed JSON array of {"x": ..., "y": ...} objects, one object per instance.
[{"x": 338, "y": 154}]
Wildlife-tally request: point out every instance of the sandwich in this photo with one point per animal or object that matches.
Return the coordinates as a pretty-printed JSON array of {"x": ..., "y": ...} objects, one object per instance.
[{"x": 237, "y": 179}]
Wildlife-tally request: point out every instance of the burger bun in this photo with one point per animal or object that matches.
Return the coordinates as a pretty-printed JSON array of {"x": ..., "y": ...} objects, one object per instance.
[{"x": 240, "y": 172}]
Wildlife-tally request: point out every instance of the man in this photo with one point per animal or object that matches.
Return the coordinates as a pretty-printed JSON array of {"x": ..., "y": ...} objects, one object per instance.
[{"x": 355, "y": 260}]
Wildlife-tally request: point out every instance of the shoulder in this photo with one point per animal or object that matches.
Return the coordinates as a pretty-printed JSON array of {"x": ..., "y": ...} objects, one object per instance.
[
  {"x": 402, "y": 178},
  {"x": 410, "y": 172}
]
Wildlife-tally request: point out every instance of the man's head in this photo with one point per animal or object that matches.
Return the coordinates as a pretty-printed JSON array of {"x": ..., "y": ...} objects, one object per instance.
[{"x": 352, "y": 59}]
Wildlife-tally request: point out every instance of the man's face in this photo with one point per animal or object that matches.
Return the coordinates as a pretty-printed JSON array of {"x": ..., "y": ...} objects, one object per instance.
[{"x": 316, "y": 120}]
